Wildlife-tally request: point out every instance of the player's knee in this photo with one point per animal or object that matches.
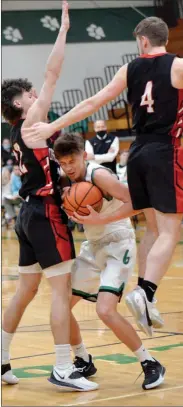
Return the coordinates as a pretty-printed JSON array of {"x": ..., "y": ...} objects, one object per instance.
[
  {"x": 104, "y": 311},
  {"x": 28, "y": 291}
]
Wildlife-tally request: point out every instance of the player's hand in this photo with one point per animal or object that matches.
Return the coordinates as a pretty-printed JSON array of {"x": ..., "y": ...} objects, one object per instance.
[
  {"x": 65, "y": 21},
  {"x": 39, "y": 131},
  {"x": 92, "y": 219},
  {"x": 65, "y": 190}
]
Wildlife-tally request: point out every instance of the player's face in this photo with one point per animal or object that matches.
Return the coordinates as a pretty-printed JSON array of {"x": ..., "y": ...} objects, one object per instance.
[
  {"x": 26, "y": 100},
  {"x": 74, "y": 166}
]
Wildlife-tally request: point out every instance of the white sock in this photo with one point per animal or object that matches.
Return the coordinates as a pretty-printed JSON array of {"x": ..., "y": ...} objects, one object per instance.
[
  {"x": 143, "y": 354},
  {"x": 63, "y": 356},
  {"x": 6, "y": 341},
  {"x": 80, "y": 351}
]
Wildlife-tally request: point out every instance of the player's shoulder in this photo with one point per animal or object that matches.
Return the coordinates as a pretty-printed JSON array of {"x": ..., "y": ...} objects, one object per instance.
[{"x": 134, "y": 66}]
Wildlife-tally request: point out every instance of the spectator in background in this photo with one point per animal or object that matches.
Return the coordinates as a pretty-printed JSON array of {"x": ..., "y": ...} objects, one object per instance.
[
  {"x": 7, "y": 156},
  {"x": 121, "y": 167},
  {"x": 104, "y": 147},
  {"x": 11, "y": 197}
]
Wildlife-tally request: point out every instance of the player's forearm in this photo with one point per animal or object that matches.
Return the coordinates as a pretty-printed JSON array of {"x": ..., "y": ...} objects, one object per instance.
[
  {"x": 79, "y": 112},
  {"x": 56, "y": 58},
  {"x": 125, "y": 211}
]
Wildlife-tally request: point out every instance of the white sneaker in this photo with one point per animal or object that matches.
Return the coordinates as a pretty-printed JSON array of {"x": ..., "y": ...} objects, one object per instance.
[
  {"x": 71, "y": 380},
  {"x": 7, "y": 375},
  {"x": 138, "y": 305},
  {"x": 155, "y": 316},
  {"x": 157, "y": 321}
]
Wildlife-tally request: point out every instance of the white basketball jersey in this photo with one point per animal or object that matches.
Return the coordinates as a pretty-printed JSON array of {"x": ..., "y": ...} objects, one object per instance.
[{"x": 110, "y": 205}]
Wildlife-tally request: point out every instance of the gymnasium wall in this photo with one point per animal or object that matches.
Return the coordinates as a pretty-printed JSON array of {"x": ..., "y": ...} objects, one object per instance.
[
  {"x": 27, "y": 39},
  {"x": 81, "y": 60}
]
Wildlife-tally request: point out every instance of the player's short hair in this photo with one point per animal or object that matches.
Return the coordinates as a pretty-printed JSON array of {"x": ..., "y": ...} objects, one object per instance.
[
  {"x": 154, "y": 28},
  {"x": 68, "y": 144},
  {"x": 10, "y": 89}
]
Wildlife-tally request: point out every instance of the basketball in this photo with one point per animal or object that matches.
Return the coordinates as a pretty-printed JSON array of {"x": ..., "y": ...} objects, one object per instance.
[{"x": 79, "y": 196}]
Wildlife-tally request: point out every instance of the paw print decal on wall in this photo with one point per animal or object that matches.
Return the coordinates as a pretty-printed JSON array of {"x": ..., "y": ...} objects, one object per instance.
[
  {"x": 12, "y": 34},
  {"x": 50, "y": 22},
  {"x": 95, "y": 32}
]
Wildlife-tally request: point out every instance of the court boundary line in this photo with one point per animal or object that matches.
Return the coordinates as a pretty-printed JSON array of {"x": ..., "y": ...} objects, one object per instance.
[{"x": 123, "y": 396}]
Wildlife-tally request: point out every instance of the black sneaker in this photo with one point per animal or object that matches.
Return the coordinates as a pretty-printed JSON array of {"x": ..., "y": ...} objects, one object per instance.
[
  {"x": 86, "y": 368},
  {"x": 154, "y": 374}
]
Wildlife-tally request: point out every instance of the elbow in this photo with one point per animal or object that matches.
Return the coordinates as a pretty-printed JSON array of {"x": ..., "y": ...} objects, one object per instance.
[{"x": 51, "y": 76}]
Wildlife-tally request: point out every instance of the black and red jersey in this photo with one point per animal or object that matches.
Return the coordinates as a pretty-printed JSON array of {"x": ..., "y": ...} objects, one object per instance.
[
  {"x": 157, "y": 107},
  {"x": 39, "y": 168}
]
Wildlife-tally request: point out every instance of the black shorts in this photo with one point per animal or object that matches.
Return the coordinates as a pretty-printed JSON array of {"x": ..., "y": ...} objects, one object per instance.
[
  {"x": 42, "y": 235},
  {"x": 155, "y": 175}
]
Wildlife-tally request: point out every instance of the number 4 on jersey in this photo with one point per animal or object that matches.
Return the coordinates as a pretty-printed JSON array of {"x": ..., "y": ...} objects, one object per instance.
[{"x": 147, "y": 98}]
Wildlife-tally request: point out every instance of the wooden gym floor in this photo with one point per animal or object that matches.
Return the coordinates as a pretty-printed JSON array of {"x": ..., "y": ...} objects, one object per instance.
[{"x": 32, "y": 348}]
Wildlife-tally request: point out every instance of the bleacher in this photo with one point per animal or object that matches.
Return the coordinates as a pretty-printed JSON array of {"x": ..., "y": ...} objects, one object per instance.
[{"x": 117, "y": 113}]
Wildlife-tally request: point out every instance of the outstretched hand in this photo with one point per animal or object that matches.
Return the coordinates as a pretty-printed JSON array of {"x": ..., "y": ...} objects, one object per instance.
[
  {"x": 65, "y": 21},
  {"x": 92, "y": 219}
]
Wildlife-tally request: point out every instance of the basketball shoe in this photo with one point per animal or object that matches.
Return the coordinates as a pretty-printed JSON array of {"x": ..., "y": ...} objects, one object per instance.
[
  {"x": 146, "y": 314},
  {"x": 87, "y": 369},
  {"x": 154, "y": 374},
  {"x": 7, "y": 375},
  {"x": 71, "y": 380}
]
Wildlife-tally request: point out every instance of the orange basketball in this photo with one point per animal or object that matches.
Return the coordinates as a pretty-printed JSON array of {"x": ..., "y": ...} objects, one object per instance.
[{"x": 80, "y": 195}]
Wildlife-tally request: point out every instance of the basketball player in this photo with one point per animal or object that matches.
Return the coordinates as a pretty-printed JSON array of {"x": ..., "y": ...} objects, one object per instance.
[
  {"x": 44, "y": 238},
  {"x": 155, "y": 164},
  {"x": 106, "y": 260}
]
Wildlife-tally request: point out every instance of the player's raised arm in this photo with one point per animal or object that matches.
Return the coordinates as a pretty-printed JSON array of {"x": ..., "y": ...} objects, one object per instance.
[
  {"x": 84, "y": 109},
  {"x": 40, "y": 108}
]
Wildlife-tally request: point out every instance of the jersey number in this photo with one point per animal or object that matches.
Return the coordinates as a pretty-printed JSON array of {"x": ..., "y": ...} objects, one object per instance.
[
  {"x": 147, "y": 98},
  {"x": 126, "y": 258}
]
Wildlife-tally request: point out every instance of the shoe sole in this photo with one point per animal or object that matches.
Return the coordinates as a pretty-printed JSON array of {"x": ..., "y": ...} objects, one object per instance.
[
  {"x": 135, "y": 311},
  {"x": 158, "y": 382},
  {"x": 68, "y": 387},
  {"x": 10, "y": 383}
]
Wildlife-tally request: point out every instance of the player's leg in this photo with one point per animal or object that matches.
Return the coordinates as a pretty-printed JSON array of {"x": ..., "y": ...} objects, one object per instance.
[
  {"x": 119, "y": 258},
  {"x": 75, "y": 334},
  {"x": 85, "y": 283},
  {"x": 160, "y": 255},
  {"x": 107, "y": 312},
  {"x": 27, "y": 289},
  {"x": 83, "y": 360},
  {"x": 166, "y": 195},
  {"x": 147, "y": 241},
  {"x": 29, "y": 279},
  {"x": 54, "y": 249},
  {"x": 145, "y": 246}
]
